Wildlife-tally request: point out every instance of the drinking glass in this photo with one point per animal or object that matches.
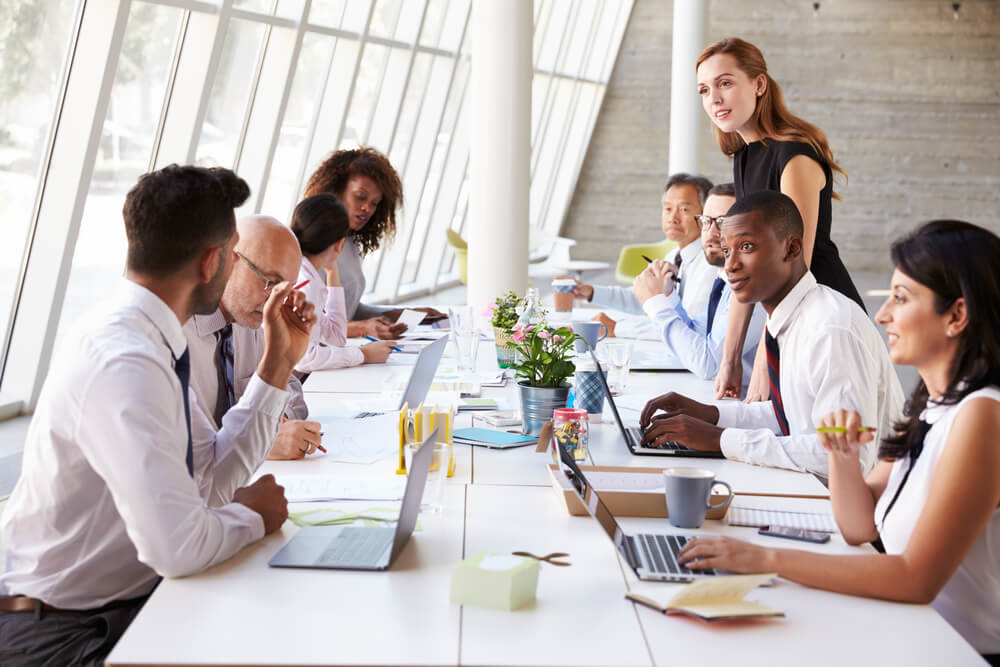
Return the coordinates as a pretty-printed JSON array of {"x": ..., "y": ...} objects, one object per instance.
[
  {"x": 431, "y": 501},
  {"x": 619, "y": 356},
  {"x": 465, "y": 335}
]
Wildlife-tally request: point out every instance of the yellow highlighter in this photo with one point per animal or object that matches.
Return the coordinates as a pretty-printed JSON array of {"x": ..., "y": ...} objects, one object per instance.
[{"x": 843, "y": 429}]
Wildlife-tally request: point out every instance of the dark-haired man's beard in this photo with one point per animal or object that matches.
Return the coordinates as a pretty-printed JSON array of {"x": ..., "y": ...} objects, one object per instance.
[{"x": 205, "y": 298}]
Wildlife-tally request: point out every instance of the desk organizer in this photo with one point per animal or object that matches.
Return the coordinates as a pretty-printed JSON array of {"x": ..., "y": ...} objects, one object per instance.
[
  {"x": 417, "y": 424},
  {"x": 641, "y": 502},
  {"x": 494, "y": 581}
]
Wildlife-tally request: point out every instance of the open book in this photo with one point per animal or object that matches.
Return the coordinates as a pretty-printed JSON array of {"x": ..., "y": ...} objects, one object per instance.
[{"x": 715, "y": 598}]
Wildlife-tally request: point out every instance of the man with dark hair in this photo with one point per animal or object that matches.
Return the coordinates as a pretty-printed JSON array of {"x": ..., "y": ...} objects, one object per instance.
[
  {"x": 124, "y": 478},
  {"x": 823, "y": 354},
  {"x": 697, "y": 342},
  {"x": 683, "y": 198}
]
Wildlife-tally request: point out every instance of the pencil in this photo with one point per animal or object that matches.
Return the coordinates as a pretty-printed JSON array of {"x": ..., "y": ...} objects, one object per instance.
[
  {"x": 843, "y": 429},
  {"x": 375, "y": 340}
]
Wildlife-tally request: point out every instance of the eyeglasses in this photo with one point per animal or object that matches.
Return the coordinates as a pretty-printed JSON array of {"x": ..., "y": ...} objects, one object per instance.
[
  {"x": 706, "y": 220},
  {"x": 268, "y": 282}
]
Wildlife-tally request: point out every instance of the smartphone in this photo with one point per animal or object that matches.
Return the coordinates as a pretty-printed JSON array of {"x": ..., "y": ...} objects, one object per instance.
[{"x": 795, "y": 534}]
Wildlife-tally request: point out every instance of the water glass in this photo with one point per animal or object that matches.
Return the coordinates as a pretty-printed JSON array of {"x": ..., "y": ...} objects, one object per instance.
[
  {"x": 433, "y": 496},
  {"x": 619, "y": 356},
  {"x": 465, "y": 334}
]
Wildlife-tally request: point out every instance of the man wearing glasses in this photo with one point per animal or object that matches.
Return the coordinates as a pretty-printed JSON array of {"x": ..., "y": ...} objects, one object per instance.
[
  {"x": 697, "y": 342},
  {"x": 227, "y": 345}
]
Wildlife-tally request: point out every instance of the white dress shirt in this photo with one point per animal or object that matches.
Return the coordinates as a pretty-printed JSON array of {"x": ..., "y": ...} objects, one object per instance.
[
  {"x": 248, "y": 349},
  {"x": 689, "y": 341},
  {"x": 832, "y": 357},
  {"x": 970, "y": 600},
  {"x": 696, "y": 275},
  {"x": 328, "y": 336},
  {"x": 105, "y": 502}
]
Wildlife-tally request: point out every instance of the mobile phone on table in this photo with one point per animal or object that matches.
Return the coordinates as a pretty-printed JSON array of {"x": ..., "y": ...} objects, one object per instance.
[{"x": 795, "y": 534}]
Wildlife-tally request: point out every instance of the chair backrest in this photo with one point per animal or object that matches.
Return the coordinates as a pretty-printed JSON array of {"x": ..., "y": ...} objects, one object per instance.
[{"x": 455, "y": 239}]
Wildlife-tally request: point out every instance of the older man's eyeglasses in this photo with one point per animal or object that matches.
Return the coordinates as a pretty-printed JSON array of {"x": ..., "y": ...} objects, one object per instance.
[
  {"x": 269, "y": 283},
  {"x": 706, "y": 220}
]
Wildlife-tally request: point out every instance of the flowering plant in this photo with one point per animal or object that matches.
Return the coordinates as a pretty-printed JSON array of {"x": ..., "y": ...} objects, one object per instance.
[
  {"x": 503, "y": 311},
  {"x": 543, "y": 354}
]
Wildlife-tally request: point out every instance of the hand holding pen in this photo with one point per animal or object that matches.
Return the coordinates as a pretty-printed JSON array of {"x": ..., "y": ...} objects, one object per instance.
[
  {"x": 674, "y": 271},
  {"x": 841, "y": 432},
  {"x": 376, "y": 340}
]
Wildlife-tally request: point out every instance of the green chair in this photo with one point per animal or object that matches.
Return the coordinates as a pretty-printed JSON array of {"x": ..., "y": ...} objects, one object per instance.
[
  {"x": 461, "y": 249},
  {"x": 631, "y": 263}
]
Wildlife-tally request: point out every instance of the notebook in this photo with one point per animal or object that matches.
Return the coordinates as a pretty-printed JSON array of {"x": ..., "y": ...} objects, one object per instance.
[
  {"x": 493, "y": 439},
  {"x": 652, "y": 556},
  {"x": 633, "y": 435},
  {"x": 361, "y": 547}
]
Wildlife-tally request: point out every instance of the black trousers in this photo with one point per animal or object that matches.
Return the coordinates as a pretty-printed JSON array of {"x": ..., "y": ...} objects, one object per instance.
[{"x": 60, "y": 638}]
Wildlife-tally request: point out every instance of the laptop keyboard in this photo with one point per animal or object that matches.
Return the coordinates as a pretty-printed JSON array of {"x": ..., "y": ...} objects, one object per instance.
[
  {"x": 661, "y": 553},
  {"x": 635, "y": 434},
  {"x": 356, "y": 545}
]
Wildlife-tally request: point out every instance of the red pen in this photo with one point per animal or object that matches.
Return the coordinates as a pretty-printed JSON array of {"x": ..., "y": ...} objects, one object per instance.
[{"x": 302, "y": 284}]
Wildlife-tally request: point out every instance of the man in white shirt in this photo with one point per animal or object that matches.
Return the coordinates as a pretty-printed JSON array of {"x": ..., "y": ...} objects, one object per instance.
[
  {"x": 697, "y": 343},
  {"x": 823, "y": 354},
  {"x": 683, "y": 198},
  {"x": 227, "y": 344},
  {"x": 124, "y": 480}
]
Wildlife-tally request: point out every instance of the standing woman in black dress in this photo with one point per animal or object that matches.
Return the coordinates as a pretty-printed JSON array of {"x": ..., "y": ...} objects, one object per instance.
[{"x": 772, "y": 149}]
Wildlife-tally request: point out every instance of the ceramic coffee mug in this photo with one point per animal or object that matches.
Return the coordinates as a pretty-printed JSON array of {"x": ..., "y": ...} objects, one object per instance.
[
  {"x": 688, "y": 493},
  {"x": 592, "y": 332}
]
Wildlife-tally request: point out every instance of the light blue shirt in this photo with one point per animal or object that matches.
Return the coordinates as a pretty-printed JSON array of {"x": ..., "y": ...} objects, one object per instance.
[{"x": 689, "y": 341}]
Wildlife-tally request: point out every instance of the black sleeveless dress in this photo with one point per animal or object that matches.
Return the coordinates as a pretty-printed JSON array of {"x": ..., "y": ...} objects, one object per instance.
[{"x": 758, "y": 166}]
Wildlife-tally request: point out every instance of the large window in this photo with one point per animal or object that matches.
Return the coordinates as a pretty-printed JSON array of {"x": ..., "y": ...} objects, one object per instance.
[{"x": 269, "y": 88}]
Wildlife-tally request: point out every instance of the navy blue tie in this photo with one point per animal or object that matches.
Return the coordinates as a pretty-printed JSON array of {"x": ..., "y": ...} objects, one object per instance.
[
  {"x": 713, "y": 302},
  {"x": 182, "y": 367}
]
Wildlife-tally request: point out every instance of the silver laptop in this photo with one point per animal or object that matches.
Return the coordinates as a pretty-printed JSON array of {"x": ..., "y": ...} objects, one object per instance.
[
  {"x": 652, "y": 556},
  {"x": 421, "y": 378},
  {"x": 361, "y": 547},
  {"x": 633, "y": 435}
]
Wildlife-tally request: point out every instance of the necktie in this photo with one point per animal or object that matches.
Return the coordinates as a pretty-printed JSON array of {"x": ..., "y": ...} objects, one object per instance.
[
  {"x": 182, "y": 367},
  {"x": 774, "y": 377},
  {"x": 713, "y": 302},
  {"x": 680, "y": 283},
  {"x": 226, "y": 394}
]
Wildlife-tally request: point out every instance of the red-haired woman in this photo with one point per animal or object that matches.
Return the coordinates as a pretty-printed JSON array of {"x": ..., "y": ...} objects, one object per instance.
[
  {"x": 772, "y": 149},
  {"x": 369, "y": 188}
]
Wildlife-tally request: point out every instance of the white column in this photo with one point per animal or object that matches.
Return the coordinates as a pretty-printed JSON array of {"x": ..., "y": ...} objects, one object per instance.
[
  {"x": 686, "y": 114},
  {"x": 500, "y": 148}
]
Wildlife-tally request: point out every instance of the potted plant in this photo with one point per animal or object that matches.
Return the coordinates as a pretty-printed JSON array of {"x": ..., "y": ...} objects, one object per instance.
[
  {"x": 542, "y": 367},
  {"x": 503, "y": 316}
]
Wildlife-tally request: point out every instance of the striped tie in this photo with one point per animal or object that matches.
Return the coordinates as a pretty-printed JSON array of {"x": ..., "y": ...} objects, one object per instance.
[
  {"x": 226, "y": 396},
  {"x": 774, "y": 377}
]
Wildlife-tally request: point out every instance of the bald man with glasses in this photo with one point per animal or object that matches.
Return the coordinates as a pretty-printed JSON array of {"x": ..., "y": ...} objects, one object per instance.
[{"x": 227, "y": 345}]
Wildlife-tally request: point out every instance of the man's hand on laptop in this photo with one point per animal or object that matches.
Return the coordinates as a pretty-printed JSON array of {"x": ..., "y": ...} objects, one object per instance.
[
  {"x": 672, "y": 404},
  {"x": 689, "y": 431},
  {"x": 295, "y": 439},
  {"x": 266, "y": 498}
]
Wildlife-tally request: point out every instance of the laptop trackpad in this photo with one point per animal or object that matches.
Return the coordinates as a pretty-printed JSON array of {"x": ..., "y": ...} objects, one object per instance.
[{"x": 306, "y": 547}]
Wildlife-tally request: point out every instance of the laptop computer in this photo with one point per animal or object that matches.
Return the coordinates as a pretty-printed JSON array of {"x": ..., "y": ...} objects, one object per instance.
[
  {"x": 652, "y": 556},
  {"x": 361, "y": 547},
  {"x": 633, "y": 435},
  {"x": 421, "y": 378}
]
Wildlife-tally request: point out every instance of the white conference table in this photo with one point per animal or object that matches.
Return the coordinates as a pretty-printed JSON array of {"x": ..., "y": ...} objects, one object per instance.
[{"x": 242, "y": 612}]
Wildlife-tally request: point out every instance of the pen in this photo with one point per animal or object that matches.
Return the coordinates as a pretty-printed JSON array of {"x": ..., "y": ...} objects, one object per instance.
[
  {"x": 843, "y": 429},
  {"x": 673, "y": 276},
  {"x": 302, "y": 284},
  {"x": 320, "y": 447},
  {"x": 375, "y": 340},
  {"x": 648, "y": 260}
]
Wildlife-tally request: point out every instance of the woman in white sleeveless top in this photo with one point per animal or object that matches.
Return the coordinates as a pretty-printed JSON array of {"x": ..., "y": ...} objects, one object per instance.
[{"x": 934, "y": 496}]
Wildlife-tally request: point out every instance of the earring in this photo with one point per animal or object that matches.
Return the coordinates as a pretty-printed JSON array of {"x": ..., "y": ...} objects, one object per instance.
[{"x": 950, "y": 332}]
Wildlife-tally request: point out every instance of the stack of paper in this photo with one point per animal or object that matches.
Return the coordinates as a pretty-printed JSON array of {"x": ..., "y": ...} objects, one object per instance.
[{"x": 489, "y": 438}]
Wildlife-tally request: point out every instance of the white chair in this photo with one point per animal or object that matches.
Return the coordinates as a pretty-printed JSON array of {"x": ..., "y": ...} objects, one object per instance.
[{"x": 557, "y": 260}]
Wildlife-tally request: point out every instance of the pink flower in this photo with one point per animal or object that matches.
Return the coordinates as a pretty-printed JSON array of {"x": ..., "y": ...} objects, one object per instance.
[
  {"x": 489, "y": 309},
  {"x": 518, "y": 335},
  {"x": 544, "y": 333},
  {"x": 528, "y": 329},
  {"x": 558, "y": 339}
]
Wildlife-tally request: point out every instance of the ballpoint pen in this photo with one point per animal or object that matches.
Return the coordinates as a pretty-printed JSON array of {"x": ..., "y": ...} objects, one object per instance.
[
  {"x": 843, "y": 429},
  {"x": 319, "y": 447},
  {"x": 375, "y": 340},
  {"x": 674, "y": 276}
]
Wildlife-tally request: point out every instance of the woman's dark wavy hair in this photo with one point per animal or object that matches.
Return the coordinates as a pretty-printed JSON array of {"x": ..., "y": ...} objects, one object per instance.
[
  {"x": 954, "y": 260},
  {"x": 332, "y": 177},
  {"x": 318, "y": 222}
]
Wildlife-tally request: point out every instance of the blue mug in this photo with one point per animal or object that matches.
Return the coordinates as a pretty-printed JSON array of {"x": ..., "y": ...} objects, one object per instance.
[{"x": 590, "y": 332}]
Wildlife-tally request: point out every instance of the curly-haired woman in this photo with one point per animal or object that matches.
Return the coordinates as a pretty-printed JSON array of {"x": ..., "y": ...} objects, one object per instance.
[{"x": 371, "y": 191}]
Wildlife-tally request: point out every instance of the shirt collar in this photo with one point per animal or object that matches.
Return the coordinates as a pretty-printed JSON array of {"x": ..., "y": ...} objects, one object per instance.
[
  {"x": 311, "y": 271},
  {"x": 690, "y": 252},
  {"x": 783, "y": 312},
  {"x": 209, "y": 324},
  {"x": 158, "y": 312}
]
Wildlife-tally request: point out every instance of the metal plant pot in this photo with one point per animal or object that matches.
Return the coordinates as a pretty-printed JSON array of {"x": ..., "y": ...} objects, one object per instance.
[{"x": 538, "y": 403}]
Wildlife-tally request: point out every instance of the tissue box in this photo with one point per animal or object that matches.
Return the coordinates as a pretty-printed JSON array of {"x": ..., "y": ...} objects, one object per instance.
[{"x": 494, "y": 581}]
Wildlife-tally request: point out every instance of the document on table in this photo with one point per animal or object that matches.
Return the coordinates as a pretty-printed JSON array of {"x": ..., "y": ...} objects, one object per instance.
[
  {"x": 742, "y": 515},
  {"x": 364, "y": 440},
  {"x": 411, "y": 318},
  {"x": 314, "y": 488}
]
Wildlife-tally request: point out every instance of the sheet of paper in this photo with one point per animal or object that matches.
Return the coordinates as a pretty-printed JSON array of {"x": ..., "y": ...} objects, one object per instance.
[
  {"x": 411, "y": 318},
  {"x": 401, "y": 359},
  {"x": 424, "y": 333},
  {"x": 718, "y": 590},
  {"x": 312, "y": 488},
  {"x": 364, "y": 440}
]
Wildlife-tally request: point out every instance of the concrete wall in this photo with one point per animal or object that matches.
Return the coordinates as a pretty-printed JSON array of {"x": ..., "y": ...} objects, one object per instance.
[{"x": 908, "y": 96}]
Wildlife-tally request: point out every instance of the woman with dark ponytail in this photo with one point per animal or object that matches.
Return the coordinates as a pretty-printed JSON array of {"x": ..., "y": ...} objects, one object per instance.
[{"x": 934, "y": 495}]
